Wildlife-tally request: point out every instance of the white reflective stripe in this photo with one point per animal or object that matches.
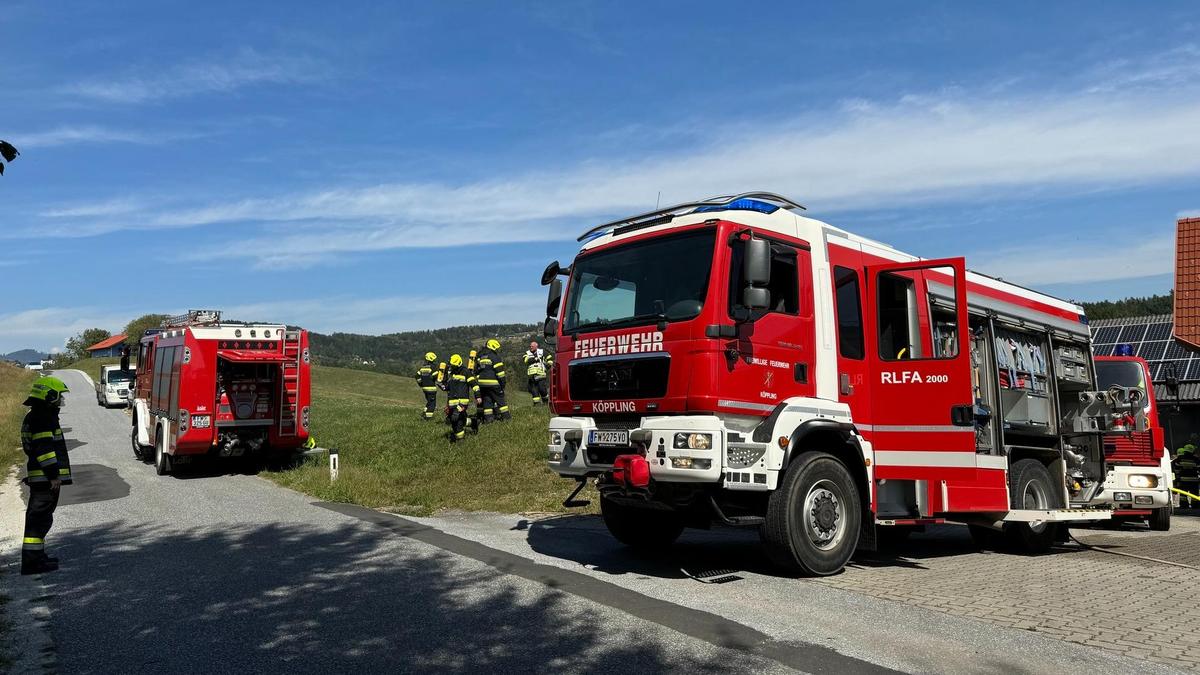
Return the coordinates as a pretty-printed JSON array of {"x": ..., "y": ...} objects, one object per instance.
[
  {"x": 815, "y": 411},
  {"x": 914, "y": 428},
  {"x": 926, "y": 458},
  {"x": 745, "y": 404}
]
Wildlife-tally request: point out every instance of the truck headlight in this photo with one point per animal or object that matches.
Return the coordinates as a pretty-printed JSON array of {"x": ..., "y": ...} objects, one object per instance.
[
  {"x": 555, "y": 456},
  {"x": 1142, "y": 480},
  {"x": 693, "y": 441},
  {"x": 555, "y": 438},
  {"x": 691, "y": 463}
]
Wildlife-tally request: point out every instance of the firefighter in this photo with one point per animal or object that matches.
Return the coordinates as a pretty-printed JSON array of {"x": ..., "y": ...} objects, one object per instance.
[
  {"x": 47, "y": 470},
  {"x": 427, "y": 380},
  {"x": 492, "y": 380},
  {"x": 1187, "y": 472},
  {"x": 537, "y": 365},
  {"x": 479, "y": 417},
  {"x": 460, "y": 389}
]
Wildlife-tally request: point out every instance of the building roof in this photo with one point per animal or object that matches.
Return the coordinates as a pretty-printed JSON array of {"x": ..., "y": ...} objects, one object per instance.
[
  {"x": 1187, "y": 281},
  {"x": 105, "y": 344}
]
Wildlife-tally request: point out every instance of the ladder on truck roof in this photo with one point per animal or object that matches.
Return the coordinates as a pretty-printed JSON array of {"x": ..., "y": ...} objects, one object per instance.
[
  {"x": 289, "y": 387},
  {"x": 194, "y": 317}
]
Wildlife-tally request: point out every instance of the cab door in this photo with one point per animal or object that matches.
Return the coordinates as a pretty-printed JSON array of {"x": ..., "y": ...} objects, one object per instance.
[{"x": 922, "y": 421}]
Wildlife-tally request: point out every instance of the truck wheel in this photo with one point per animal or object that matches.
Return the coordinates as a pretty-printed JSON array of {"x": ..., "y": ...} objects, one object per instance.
[
  {"x": 645, "y": 529},
  {"x": 162, "y": 461},
  {"x": 1160, "y": 519},
  {"x": 139, "y": 450},
  {"x": 813, "y": 517},
  {"x": 1032, "y": 488}
]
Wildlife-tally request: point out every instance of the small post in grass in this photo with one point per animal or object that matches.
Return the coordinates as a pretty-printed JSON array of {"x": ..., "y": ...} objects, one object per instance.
[{"x": 333, "y": 464}]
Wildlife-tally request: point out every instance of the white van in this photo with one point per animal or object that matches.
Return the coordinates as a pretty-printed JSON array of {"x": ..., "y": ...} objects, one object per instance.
[{"x": 115, "y": 386}]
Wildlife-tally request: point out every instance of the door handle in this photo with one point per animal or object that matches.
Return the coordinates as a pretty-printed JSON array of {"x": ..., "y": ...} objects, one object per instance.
[{"x": 846, "y": 388}]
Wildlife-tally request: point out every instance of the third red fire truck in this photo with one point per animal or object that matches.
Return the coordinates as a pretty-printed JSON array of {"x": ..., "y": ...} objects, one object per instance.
[
  {"x": 733, "y": 361},
  {"x": 223, "y": 389}
]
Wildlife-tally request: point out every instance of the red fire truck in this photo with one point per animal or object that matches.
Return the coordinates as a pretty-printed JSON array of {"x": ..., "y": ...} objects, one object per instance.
[
  {"x": 1139, "y": 466},
  {"x": 733, "y": 361},
  {"x": 221, "y": 388}
]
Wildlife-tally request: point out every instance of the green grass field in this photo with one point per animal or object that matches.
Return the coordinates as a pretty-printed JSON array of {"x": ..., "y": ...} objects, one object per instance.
[
  {"x": 392, "y": 459},
  {"x": 14, "y": 387}
]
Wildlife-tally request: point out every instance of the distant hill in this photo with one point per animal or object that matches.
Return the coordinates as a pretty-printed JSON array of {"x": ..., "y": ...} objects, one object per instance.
[
  {"x": 24, "y": 356},
  {"x": 400, "y": 353},
  {"x": 1117, "y": 309}
]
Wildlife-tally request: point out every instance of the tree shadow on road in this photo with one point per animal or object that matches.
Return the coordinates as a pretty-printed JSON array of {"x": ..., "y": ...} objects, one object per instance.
[{"x": 288, "y": 598}]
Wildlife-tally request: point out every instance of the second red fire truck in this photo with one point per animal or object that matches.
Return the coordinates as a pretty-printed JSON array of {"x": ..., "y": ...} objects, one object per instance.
[
  {"x": 206, "y": 387},
  {"x": 733, "y": 361}
]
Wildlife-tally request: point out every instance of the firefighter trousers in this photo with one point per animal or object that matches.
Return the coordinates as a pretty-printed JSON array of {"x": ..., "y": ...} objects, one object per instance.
[
  {"x": 494, "y": 405},
  {"x": 458, "y": 423},
  {"x": 539, "y": 389},
  {"x": 39, "y": 516},
  {"x": 430, "y": 404}
]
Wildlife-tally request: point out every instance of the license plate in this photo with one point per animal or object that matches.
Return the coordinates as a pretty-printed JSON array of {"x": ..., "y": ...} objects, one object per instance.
[
  {"x": 201, "y": 421},
  {"x": 607, "y": 437}
]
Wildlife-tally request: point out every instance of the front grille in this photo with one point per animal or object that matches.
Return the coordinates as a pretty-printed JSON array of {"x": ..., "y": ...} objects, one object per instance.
[
  {"x": 607, "y": 379},
  {"x": 610, "y": 422}
]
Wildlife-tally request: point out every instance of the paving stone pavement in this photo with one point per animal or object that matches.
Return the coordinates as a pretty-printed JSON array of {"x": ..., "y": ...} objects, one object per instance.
[{"x": 1083, "y": 594}]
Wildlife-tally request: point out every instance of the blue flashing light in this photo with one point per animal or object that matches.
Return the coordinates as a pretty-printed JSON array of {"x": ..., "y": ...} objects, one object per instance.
[
  {"x": 741, "y": 205},
  {"x": 1123, "y": 350}
]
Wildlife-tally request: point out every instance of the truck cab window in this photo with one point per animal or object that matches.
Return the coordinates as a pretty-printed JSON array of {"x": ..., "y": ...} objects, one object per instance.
[
  {"x": 784, "y": 286},
  {"x": 899, "y": 338},
  {"x": 849, "y": 313}
]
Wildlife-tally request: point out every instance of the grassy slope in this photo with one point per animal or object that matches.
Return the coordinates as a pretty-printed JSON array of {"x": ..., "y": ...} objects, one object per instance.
[
  {"x": 14, "y": 386},
  {"x": 392, "y": 459}
]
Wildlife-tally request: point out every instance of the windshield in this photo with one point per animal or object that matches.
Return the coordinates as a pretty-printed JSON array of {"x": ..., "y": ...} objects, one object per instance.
[
  {"x": 1123, "y": 373},
  {"x": 657, "y": 279},
  {"x": 120, "y": 375}
]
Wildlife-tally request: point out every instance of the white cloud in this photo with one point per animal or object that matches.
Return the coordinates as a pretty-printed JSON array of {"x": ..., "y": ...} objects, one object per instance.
[
  {"x": 1110, "y": 256},
  {"x": 73, "y": 135},
  {"x": 244, "y": 68},
  {"x": 112, "y": 207},
  {"x": 40, "y": 328}
]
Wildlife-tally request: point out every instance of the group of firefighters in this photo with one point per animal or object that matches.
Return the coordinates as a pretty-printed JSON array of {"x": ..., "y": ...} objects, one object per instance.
[
  {"x": 1187, "y": 472},
  {"x": 481, "y": 378}
]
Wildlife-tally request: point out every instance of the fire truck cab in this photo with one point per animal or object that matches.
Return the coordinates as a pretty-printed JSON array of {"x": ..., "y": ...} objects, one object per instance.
[
  {"x": 732, "y": 361},
  {"x": 226, "y": 389}
]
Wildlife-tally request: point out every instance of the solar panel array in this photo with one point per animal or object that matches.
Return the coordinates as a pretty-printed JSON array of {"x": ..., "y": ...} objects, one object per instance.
[{"x": 1151, "y": 340}]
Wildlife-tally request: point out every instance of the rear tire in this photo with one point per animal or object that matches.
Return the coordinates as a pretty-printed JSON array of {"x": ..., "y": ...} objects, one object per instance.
[
  {"x": 162, "y": 461},
  {"x": 1160, "y": 519},
  {"x": 1032, "y": 488},
  {"x": 814, "y": 517},
  {"x": 139, "y": 450},
  {"x": 643, "y": 529}
]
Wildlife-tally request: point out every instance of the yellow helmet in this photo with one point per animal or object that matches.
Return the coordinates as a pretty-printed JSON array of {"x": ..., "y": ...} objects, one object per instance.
[
  {"x": 493, "y": 344},
  {"x": 430, "y": 357},
  {"x": 47, "y": 389},
  {"x": 455, "y": 360}
]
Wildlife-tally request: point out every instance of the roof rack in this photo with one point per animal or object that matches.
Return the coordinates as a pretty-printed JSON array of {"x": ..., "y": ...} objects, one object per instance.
[
  {"x": 660, "y": 216},
  {"x": 194, "y": 317}
]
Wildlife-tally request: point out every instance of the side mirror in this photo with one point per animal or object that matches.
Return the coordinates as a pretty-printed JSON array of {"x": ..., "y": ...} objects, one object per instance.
[
  {"x": 754, "y": 298},
  {"x": 554, "y": 298},
  {"x": 550, "y": 273},
  {"x": 756, "y": 271},
  {"x": 550, "y": 330}
]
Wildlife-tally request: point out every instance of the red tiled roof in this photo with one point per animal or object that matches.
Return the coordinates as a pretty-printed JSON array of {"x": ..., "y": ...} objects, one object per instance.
[
  {"x": 1187, "y": 281},
  {"x": 105, "y": 344}
]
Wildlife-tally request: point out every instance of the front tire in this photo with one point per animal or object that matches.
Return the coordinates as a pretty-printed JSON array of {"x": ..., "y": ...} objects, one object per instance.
[
  {"x": 814, "y": 517},
  {"x": 1032, "y": 488},
  {"x": 162, "y": 461},
  {"x": 643, "y": 529},
  {"x": 1160, "y": 519}
]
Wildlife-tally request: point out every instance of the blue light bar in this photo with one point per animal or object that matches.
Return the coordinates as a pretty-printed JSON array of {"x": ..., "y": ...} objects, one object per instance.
[
  {"x": 741, "y": 205},
  {"x": 1123, "y": 350}
]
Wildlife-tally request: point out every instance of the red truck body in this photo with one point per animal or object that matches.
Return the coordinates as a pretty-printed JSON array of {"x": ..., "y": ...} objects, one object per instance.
[{"x": 227, "y": 389}]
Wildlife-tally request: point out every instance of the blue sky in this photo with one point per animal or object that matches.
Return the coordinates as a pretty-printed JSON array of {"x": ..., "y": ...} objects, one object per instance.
[{"x": 373, "y": 167}]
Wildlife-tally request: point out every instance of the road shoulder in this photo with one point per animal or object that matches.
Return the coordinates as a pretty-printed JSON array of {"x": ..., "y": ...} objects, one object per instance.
[{"x": 28, "y": 642}]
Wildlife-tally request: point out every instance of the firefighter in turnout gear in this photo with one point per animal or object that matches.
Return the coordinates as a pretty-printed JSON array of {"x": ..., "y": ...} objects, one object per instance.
[
  {"x": 460, "y": 389},
  {"x": 478, "y": 418},
  {"x": 1187, "y": 472},
  {"x": 492, "y": 380},
  {"x": 427, "y": 380},
  {"x": 47, "y": 470},
  {"x": 537, "y": 368}
]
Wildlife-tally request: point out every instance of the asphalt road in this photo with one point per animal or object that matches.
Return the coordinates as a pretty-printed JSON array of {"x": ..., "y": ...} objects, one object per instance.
[{"x": 217, "y": 572}]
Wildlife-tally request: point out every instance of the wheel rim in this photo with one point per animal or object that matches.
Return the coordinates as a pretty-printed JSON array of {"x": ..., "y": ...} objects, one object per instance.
[
  {"x": 825, "y": 515},
  {"x": 1034, "y": 497}
]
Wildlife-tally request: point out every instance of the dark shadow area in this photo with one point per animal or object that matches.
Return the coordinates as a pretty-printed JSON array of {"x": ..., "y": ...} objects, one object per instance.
[
  {"x": 276, "y": 598},
  {"x": 93, "y": 483},
  {"x": 585, "y": 540}
]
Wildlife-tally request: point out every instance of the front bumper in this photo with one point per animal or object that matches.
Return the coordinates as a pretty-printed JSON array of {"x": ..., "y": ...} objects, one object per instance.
[
  {"x": 571, "y": 456},
  {"x": 1119, "y": 490}
]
